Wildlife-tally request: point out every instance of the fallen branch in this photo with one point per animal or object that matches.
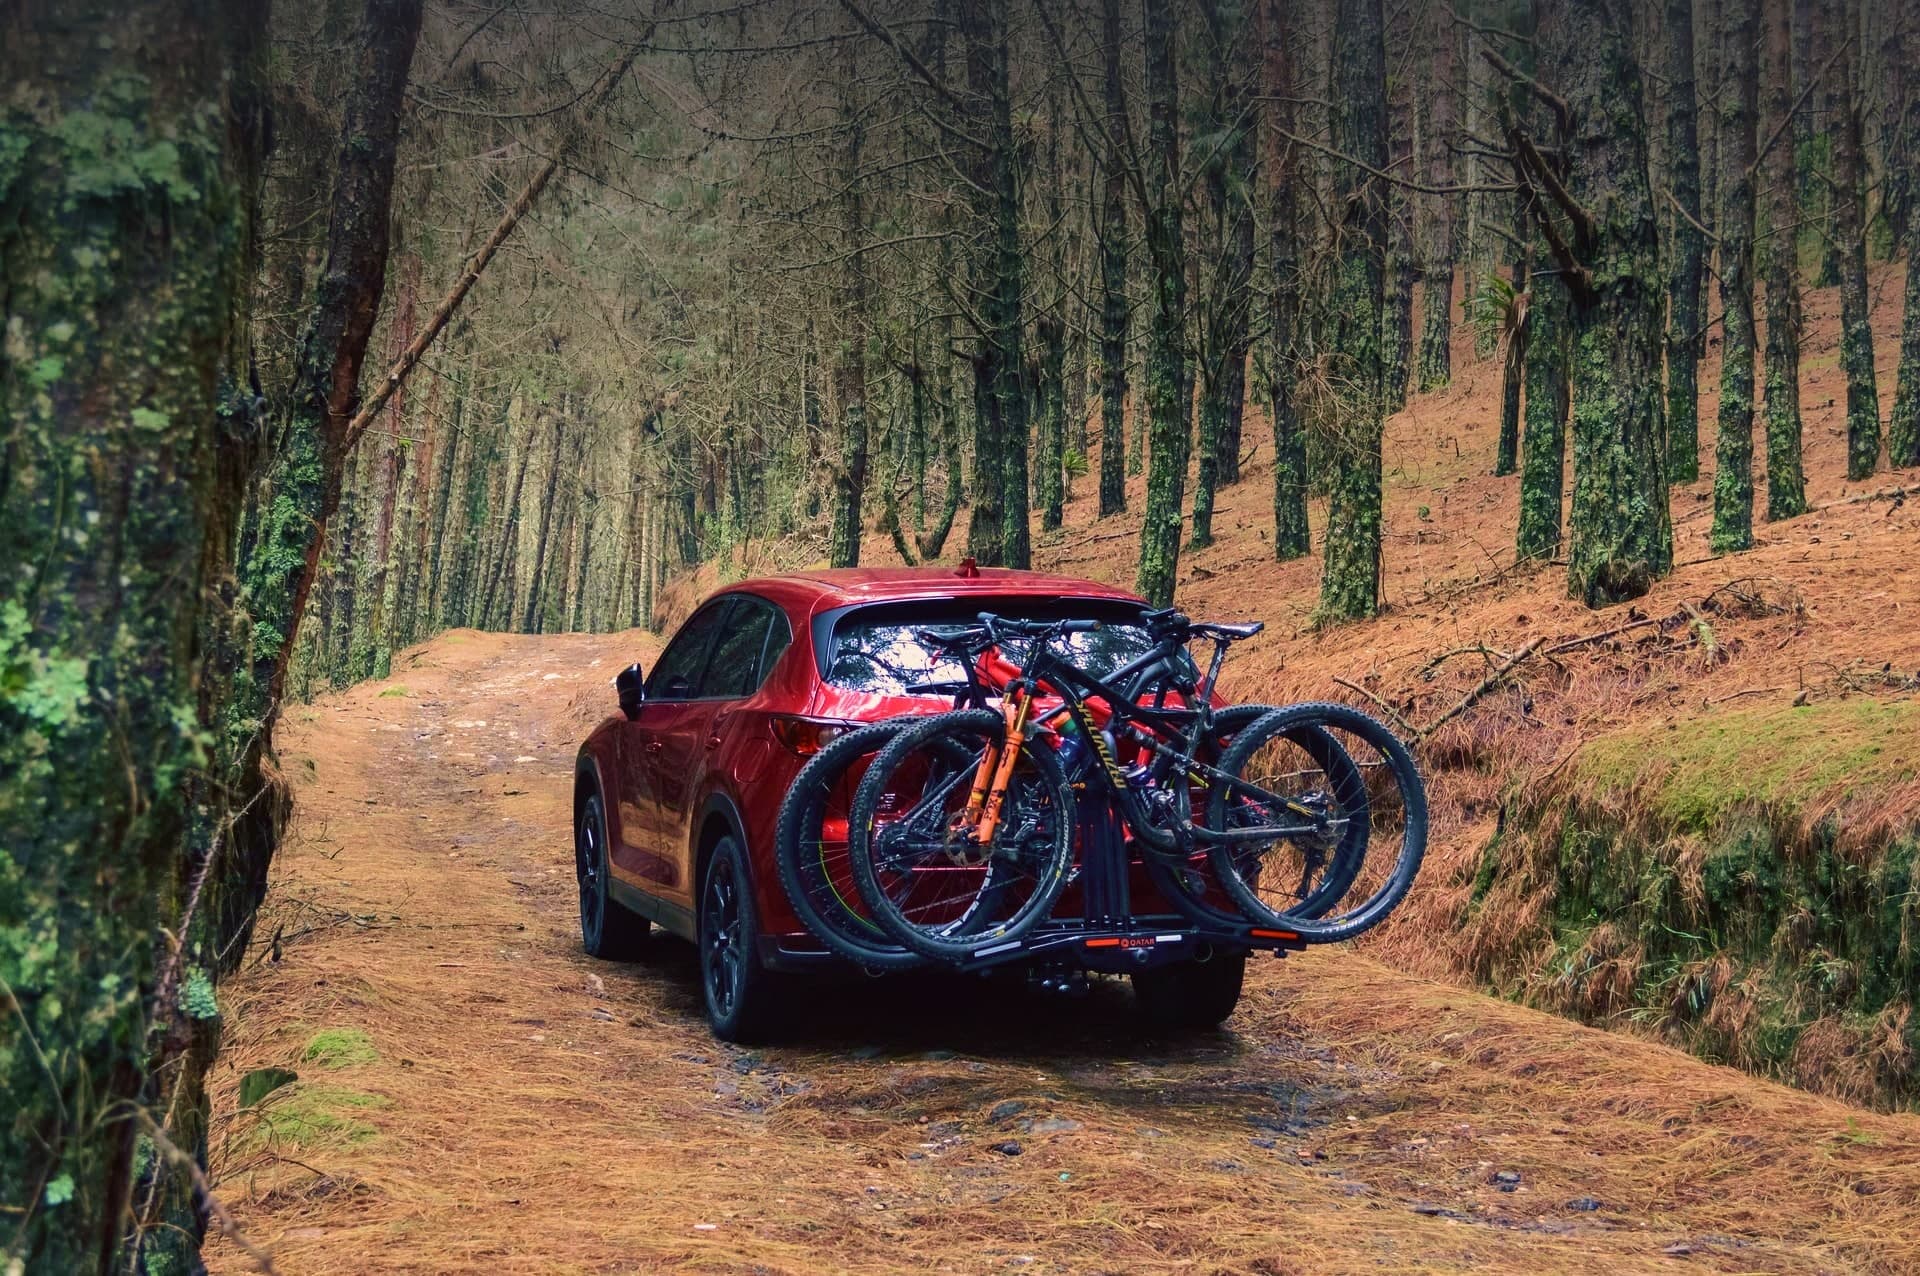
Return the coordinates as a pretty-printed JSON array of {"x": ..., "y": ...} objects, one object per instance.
[
  {"x": 1476, "y": 649},
  {"x": 1604, "y": 634},
  {"x": 1406, "y": 728},
  {"x": 1487, "y": 684},
  {"x": 1750, "y": 691}
]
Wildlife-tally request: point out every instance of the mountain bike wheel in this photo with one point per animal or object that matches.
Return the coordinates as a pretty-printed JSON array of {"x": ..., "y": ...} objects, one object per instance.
[
  {"x": 1305, "y": 878},
  {"x": 1189, "y": 881},
  {"x": 941, "y": 895},
  {"x": 810, "y": 848}
]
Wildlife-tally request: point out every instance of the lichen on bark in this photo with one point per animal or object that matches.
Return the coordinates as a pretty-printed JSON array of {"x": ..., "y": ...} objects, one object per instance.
[{"x": 125, "y": 224}]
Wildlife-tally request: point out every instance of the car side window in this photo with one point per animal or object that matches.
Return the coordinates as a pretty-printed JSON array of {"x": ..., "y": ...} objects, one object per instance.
[
  {"x": 676, "y": 676},
  {"x": 779, "y": 638},
  {"x": 734, "y": 671}
]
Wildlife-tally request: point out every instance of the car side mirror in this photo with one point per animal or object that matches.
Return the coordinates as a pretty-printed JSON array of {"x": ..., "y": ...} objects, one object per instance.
[{"x": 631, "y": 686}]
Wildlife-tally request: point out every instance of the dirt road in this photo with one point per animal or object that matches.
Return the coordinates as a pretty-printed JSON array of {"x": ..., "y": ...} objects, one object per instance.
[{"x": 474, "y": 1095}]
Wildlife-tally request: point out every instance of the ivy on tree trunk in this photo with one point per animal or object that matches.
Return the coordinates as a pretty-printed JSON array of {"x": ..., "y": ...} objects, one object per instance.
[{"x": 126, "y": 258}]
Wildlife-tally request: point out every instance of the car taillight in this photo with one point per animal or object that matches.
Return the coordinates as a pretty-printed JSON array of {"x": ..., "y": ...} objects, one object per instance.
[{"x": 806, "y": 736}]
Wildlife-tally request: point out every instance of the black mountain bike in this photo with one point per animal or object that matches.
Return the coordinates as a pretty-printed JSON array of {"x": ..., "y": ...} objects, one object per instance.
[
  {"x": 959, "y": 851},
  {"x": 811, "y": 838}
]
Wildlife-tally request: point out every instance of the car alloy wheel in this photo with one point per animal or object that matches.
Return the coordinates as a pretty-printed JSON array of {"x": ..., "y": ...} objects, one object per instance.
[
  {"x": 722, "y": 935},
  {"x": 589, "y": 861}
]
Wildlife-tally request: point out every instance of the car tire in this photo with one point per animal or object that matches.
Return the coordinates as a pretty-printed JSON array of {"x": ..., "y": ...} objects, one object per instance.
[
  {"x": 607, "y": 929},
  {"x": 1190, "y": 995},
  {"x": 743, "y": 998}
]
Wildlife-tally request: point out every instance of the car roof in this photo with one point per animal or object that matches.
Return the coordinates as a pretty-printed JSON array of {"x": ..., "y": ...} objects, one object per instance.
[{"x": 848, "y": 586}]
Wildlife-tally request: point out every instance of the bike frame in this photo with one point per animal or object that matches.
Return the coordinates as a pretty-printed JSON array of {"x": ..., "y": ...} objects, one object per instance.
[{"x": 1155, "y": 728}]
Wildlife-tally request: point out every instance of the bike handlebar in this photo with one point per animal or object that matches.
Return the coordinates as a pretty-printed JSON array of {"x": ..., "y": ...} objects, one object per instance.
[{"x": 1036, "y": 628}]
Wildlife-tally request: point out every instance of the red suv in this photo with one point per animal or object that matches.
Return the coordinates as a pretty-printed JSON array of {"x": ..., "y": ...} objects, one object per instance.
[{"x": 676, "y": 799}]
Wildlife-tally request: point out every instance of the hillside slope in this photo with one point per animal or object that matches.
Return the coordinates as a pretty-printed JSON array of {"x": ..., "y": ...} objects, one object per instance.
[{"x": 1826, "y": 608}]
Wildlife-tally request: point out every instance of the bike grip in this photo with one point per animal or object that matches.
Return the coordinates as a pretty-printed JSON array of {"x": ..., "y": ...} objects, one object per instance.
[{"x": 1079, "y": 626}]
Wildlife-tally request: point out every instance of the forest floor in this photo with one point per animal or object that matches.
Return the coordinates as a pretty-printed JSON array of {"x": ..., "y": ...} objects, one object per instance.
[{"x": 475, "y": 1095}]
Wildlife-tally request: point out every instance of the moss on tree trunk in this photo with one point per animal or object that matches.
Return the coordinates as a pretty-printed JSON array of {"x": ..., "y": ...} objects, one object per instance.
[
  {"x": 1688, "y": 252},
  {"x": 1115, "y": 313},
  {"x": 1166, "y": 367},
  {"x": 1291, "y": 536},
  {"x": 1544, "y": 448},
  {"x": 1356, "y": 340},
  {"x": 1620, "y": 530},
  {"x": 1850, "y": 246},
  {"x": 1733, "y": 444},
  {"x": 125, "y": 247},
  {"x": 1786, "y": 475}
]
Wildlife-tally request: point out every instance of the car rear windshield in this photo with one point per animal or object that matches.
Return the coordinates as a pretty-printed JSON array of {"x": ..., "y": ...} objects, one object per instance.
[{"x": 875, "y": 651}]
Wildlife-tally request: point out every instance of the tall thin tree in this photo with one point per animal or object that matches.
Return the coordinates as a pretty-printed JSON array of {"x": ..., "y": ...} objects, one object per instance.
[
  {"x": 1733, "y": 446},
  {"x": 1350, "y": 576},
  {"x": 1688, "y": 256},
  {"x": 1850, "y": 247},
  {"x": 1786, "y": 476},
  {"x": 1166, "y": 366}
]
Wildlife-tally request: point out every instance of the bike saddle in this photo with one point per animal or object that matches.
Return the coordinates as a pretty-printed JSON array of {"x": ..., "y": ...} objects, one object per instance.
[
  {"x": 1211, "y": 630},
  {"x": 964, "y": 638}
]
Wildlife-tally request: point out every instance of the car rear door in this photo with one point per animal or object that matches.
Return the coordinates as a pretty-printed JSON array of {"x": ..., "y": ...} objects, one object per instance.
[
  {"x": 685, "y": 741},
  {"x": 644, "y": 856}
]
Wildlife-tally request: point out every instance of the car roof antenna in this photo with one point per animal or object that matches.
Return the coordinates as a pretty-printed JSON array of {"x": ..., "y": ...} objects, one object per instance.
[{"x": 968, "y": 569}]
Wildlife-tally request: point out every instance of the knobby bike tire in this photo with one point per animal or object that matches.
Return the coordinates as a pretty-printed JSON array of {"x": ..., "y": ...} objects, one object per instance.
[
  {"x": 941, "y": 942},
  {"x": 1406, "y": 777},
  {"x": 799, "y": 855},
  {"x": 1172, "y": 881}
]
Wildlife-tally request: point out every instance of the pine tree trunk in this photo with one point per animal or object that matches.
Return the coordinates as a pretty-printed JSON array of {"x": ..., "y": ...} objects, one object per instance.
[
  {"x": 127, "y": 296},
  {"x": 1228, "y": 241},
  {"x": 347, "y": 550},
  {"x": 1733, "y": 446},
  {"x": 1050, "y": 429},
  {"x": 850, "y": 363},
  {"x": 1786, "y": 477},
  {"x": 1403, "y": 117},
  {"x": 1903, "y": 434},
  {"x": 1833, "y": 97},
  {"x": 1850, "y": 244},
  {"x": 1114, "y": 310},
  {"x": 1436, "y": 324},
  {"x": 1684, "y": 330},
  {"x": 1291, "y": 536},
  {"x": 312, "y": 459},
  {"x": 1620, "y": 529},
  {"x": 1350, "y": 578},
  {"x": 1006, "y": 305},
  {"x": 1506, "y": 458},
  {"x": 493, "y": 602},
  {"x": 1544, "y": 449},
  {"x": 1166, "y": 365},
  {"x": 531, "y": 618},
  {"x": 1050, "y": 397}
]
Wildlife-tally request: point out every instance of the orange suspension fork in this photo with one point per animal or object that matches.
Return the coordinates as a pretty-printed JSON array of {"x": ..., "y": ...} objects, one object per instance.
[{"x": 994, "y": 793}]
